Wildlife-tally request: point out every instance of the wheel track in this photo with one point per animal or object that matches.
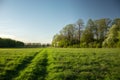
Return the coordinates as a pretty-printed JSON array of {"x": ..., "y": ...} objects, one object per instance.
[
  {"x": 36, "y": 70},
  {"x": 10, "y": 74}
]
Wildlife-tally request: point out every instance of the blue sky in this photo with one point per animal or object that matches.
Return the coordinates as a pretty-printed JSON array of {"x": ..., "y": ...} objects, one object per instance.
[{"x": 40, "y": 20}]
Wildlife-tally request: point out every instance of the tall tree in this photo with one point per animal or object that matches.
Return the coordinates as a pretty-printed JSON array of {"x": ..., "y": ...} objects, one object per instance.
[
  {"x": 87, "y": 36},
  {"x": 66, "y": 36},
  {"x": 88, "y": 33},
  {"x": 80, "y": 25},
  {"x": 91, "y": 26},
  {"x": 102, "y": 26},
  {"x": 68, "y": 31},
  {"x": 56, "y": 39}
]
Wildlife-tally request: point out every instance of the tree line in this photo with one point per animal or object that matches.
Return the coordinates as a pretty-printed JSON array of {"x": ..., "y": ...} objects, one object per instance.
[
  {"x": 95, "y": 34},
  {"x": 10, "y": 43},
  {"x": 36, "y": 45}
]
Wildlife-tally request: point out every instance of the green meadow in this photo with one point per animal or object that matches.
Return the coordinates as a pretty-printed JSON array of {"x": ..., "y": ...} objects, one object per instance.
[{"x": 60, "y": 64}]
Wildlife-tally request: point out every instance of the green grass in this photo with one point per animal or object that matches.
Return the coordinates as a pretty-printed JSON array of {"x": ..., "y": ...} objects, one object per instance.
[
  {"x": 14, "y": 60},
  {"x": 60, "y": 64}
]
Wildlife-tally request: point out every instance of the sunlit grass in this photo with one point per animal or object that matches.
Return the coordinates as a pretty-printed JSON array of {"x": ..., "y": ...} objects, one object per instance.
[{"x": 60, "y": 64}]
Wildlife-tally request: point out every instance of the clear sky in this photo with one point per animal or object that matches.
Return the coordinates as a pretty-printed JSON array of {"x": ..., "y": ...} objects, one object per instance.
[{"x": 40, "y": 20}]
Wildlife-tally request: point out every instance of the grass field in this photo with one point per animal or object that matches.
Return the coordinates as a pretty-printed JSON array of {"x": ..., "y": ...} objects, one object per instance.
[{"x": 60, "y": 64}]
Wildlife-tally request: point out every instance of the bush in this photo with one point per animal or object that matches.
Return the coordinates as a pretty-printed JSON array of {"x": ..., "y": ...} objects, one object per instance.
[
  {"x": 118, "y": 44},
  {"x": 76, "y": 46},
  {"x": 83, "y": 45}
]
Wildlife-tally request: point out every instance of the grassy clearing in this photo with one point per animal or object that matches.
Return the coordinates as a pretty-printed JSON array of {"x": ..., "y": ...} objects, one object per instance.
[{"x": 60, "y": 64}]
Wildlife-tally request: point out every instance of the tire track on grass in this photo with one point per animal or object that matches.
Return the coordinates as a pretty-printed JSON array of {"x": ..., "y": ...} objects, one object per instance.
[
  {"x": 10, "y": 74},
  {"x": 36, "y": 70},
  {"x": 41, "y": 70}
]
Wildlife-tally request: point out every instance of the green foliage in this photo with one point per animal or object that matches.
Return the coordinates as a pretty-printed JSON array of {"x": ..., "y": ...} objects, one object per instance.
[
  {"x": 116, "y": 21},
  {"x": 67, "y": 37},
  {"x": 87, "y": 36},
  {"x": 112, "y": 37},
  {"x": 98, "y": 33},
  {"x": 118, "y": 43}
]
